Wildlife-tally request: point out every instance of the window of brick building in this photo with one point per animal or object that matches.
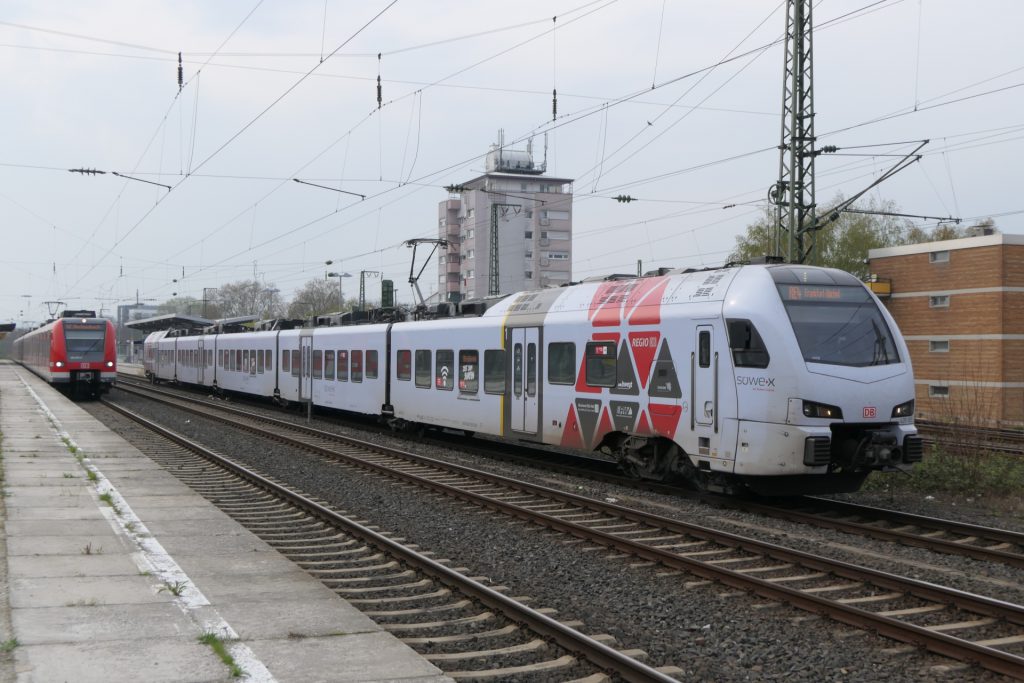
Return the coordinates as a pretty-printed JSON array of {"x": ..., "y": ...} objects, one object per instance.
[
  {"x": 938, "y": 345},
  {"x": 935, "y": 391},
  {"x": 938, "y": 257},
  {"x": 940, "y": 301}
]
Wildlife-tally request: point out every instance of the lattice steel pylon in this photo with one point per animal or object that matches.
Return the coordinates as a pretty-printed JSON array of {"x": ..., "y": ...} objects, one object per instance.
[{"x": 793, "y": 194}]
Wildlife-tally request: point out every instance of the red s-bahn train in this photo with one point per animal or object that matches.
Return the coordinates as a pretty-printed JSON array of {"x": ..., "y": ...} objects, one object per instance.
[{"x": 77, "y": 353}]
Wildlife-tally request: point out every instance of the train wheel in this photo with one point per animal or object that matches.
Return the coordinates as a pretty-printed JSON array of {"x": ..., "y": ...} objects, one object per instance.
[{"x": 655, "y": 459}]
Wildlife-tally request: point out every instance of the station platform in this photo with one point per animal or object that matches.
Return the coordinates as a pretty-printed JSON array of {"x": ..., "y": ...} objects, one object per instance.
[{"x": 91, "y": 595}]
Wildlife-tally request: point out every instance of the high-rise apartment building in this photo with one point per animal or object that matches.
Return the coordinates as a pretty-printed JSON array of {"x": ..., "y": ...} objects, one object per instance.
[{"x": 508, "y": 230}]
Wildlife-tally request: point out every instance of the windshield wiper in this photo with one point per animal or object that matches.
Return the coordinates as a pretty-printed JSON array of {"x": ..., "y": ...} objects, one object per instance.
[{"x": 881, "y": 356}]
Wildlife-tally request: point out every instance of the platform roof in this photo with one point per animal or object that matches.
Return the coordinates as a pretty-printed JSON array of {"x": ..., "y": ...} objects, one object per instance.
[{"x": 169, "y": 321}]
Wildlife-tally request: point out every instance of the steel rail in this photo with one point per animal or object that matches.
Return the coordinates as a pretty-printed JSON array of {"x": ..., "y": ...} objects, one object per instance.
[
  {"x": 906, "y": 538},
  {"x": 569, "y": 638}
]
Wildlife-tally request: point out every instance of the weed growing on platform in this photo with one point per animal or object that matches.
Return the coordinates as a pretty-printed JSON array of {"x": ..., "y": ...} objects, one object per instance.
[
  {"x": 216, "y": 644},
  {"x": 108, "y": 498},
  {"x": 69, "y": 475},
  {"x": 129, "y": 527},
  {"x": 9, "y": 644},
  {"x": 87, "y": 549},
  {"x": 92, "y": 476},
  {"x": 175, "y": 588},
  {"x": 70, "y": 446}
]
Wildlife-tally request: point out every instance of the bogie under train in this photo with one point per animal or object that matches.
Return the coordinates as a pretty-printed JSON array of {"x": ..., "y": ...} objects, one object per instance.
[{"x": 779, "y": 379}]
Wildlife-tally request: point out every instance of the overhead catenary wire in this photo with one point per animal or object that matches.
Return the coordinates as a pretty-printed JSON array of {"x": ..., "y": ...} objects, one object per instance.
[{"x": 605, "y": 114}]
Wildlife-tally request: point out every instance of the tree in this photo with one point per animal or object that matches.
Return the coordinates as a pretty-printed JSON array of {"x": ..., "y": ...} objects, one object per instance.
[
  {"x": 249, "y": 297},
  {"x": 316, "y": 297},
  {"x": 844, "y": 243},
  {"x": 181, "y": 305}
]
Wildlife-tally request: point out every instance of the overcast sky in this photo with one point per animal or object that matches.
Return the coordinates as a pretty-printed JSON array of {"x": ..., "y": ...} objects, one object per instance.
[{"x": 277, "y": 89}]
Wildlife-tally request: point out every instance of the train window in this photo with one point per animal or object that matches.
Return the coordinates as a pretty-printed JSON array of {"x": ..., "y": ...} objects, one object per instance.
[
  {"x": 342, "y": 366},
  {"x": 531, "y": 369},
  {"x": 444, "y": 375},
  {"x": 295, "y": 363},
  {"x": 404, "y": 369},
  {"x": 221, "y": 356},
  {"x": 259, "y": 361},
  {"x": 601, "y": 366},
  {"x": 562, "y": 363},
  {"x": 423, "y": 368},
  {"x": 209, "y": 358},
  {"x": 238, "y": 360},
  {"x": 329, "y": 365},
  {"x": 357, "y": 366},
  {"x": 285, "y": 365},
  {"x": 270, "y": 360},
  {"x": 469, "y": 372},
  {"x": 704, "y": 349},
  {"x": 318, "y": 364},
  {"x": 517, "y": 370},
  {"x": 371, "y": 365},
  {"x": 748, "y": 350},
  {"x": 494, "y": 371},
  {"x": 245, "y": 360}
]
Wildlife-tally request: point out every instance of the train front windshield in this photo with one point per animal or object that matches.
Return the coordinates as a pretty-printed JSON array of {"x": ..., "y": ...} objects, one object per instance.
[
  {"x": 85, "y": 341},
  {"x": 838, "y": 325}
]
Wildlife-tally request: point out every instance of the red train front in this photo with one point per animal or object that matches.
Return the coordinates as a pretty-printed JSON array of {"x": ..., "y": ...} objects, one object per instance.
[{"x": 76, "y": 353}]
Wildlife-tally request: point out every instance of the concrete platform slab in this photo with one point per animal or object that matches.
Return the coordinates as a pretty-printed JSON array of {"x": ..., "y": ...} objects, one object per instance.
[
  {"x": 152, "y": 515},
  {"x": 284, "y": 585},
  {"x": 87, "y": 591},
  {"x": 34, "y": 626},
  {"x": 63, "y": 527},
  {"x": 355, "y": 657},
  {"x": 102, "y": 544},
  {"x": 296, "y": 619},
  {"x": 70, "y": 488},
  {"x": 178, "y": 660},
  {"x": 40, "y": 513},
  {"x": 42, "y": 566}
]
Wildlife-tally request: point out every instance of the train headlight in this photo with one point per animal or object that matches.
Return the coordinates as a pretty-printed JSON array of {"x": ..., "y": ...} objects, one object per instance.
[
  {"x": 904, "y": 409},
  {"x": 110, "y": 363},
  {"x": 59, "y": 364},
  {"x": 812, "y": 409}
]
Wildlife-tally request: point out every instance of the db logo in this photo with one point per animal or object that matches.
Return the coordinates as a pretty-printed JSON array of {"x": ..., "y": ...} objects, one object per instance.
[{"x": 869, "y": 411}]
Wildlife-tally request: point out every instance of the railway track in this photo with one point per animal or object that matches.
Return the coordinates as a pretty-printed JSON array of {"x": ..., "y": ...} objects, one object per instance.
[
  {"x": 991, "y": 439},
  {"x": 967, "y": 627},
  {"x": 938, "y": 535},
  {"x": 470, "y": 630}
]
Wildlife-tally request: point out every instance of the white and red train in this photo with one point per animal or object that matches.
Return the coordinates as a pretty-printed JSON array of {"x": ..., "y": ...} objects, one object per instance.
[
  {"x": 781, "y": 379},
  {"x": 76, "y": 353}
]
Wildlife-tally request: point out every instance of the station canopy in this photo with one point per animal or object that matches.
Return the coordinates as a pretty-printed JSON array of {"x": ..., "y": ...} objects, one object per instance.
[{"x": 169, "y": 321}]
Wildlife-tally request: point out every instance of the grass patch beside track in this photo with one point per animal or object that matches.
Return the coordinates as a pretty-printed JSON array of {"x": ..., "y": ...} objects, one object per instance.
[{"x": 997, "y": 478}]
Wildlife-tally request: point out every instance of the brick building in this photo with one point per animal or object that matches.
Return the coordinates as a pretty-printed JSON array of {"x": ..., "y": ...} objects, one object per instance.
[{"x": 960, "y": 306}]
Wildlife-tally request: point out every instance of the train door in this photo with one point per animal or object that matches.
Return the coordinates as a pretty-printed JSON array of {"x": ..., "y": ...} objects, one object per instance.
[
  {"x": 705, "y": 386},
  {"x": 306, "y": 367},
  {"x": 525, "y": 363},
  {"x": 200, "y": 363}
]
